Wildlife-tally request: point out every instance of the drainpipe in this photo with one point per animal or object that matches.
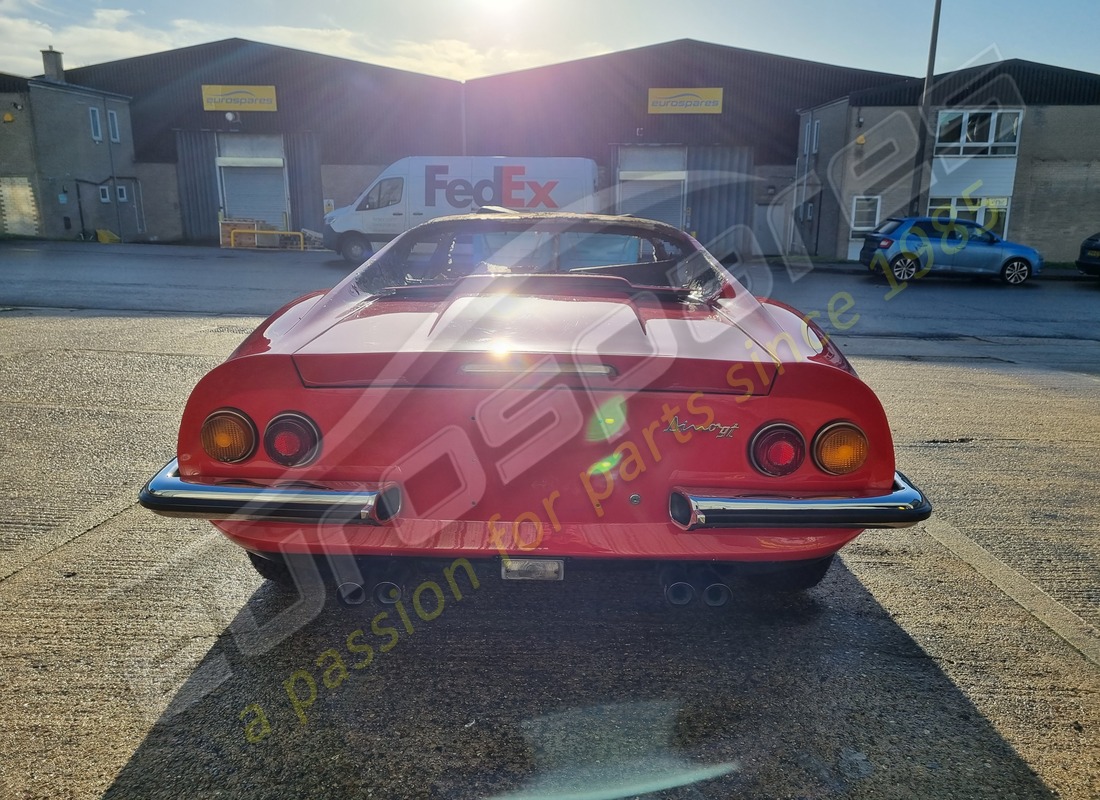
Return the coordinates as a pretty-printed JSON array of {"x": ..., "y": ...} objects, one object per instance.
[{"x": 111, "y": 163}]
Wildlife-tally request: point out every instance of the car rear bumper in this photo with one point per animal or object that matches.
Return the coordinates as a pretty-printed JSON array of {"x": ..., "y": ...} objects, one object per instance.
[
  {"x": 330, "y": 238},
  {"x": 694, "y": 509},
  {"x": 690, "y": 509},
  {"x": 1089, "y": 267},
  {"x": 168, "y": 494}
]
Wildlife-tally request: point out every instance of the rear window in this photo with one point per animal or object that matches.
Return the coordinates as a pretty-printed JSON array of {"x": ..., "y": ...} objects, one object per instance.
[
  {"x": 888, "y": 226},
  {"x": 448, "y": 252}
]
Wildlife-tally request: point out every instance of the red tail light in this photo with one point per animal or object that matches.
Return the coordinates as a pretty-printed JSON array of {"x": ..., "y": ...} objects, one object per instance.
[
  {"x": 292, "y": 440},
  {"x": 777, "y": 450},
  {"x": 885, "y": 243}
]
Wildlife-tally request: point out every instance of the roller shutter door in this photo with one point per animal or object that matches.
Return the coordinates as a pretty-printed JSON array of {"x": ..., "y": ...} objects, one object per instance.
[
  {"x": 661, "y": 200},
  {"x": 257, "y": 193}
]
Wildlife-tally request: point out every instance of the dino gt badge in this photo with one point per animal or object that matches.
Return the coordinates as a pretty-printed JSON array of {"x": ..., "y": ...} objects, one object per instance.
[{"x": 719, "y": 430}]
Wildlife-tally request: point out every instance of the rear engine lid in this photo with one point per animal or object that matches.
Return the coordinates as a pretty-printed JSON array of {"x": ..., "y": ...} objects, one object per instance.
[{"x": 497, "y": 340}]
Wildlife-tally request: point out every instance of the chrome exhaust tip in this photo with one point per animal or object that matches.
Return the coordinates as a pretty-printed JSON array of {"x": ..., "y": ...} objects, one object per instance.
[
  {"x": 680, "y": 593},
  {"x": 678, "y": 590},
  {"x": 387, "y": 593},
  {"x": 716, "y": 595},
  {"x": 351, "y": 594}
]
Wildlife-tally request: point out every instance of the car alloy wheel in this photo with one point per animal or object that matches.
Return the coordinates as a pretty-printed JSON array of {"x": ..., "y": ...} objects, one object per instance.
[
  {"x": 1016, "y": 272},
  {"x": 905, "y": 268}
]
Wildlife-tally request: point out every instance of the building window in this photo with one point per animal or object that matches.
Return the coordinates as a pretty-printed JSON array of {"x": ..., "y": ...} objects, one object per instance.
[
  {"x": 865, "y": 212},
  {"x": 978, "y": 133},
  {"x": 104, "y": 194},
  {"x": 817, "y": 134},
  {"x": 989, "y": 212},
  {"x": 97, "y": 128},
  {"x": 112, "y": 126},
  {"x": 120, "y": 192},
  {"x": 806, "y": 140}
]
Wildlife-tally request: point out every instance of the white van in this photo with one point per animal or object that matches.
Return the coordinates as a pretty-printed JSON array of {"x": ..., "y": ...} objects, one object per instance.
[{"x": 416, "y": 189}]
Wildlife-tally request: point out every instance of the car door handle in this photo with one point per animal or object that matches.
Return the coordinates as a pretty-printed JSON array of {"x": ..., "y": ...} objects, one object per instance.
[
  {"x": 418, "y": 213},
  {"x": 399, "y": 213}
]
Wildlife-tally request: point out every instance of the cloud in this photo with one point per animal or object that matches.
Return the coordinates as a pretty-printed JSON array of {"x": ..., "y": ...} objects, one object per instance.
[
  {"x": 18, "y": 52},
  {"x": 109, "y": 34}
]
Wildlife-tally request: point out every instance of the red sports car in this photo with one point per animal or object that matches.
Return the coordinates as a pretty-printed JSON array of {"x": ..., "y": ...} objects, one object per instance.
[{"x": 538, "y": 390}]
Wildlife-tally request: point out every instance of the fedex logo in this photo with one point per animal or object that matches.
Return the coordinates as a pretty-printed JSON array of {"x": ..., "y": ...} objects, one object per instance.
[{"x": 507, "y": 188}]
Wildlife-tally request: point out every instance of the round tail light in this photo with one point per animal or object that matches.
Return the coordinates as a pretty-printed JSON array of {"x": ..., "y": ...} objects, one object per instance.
[
  {"x": 228, "y": 436},
  {"x": 840, "y": 448},
  {"x": 292, "y": 440},
  {"x": 777, "y": 450}
]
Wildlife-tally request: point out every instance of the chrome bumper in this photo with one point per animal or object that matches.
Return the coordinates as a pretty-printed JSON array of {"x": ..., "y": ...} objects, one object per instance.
[
  {"x": 168, "y": 494},
  {"x": 695, "y": 509}
]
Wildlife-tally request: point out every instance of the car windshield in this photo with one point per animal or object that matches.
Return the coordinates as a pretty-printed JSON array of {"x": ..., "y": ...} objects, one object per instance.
[{"x": 447, "y": 252}]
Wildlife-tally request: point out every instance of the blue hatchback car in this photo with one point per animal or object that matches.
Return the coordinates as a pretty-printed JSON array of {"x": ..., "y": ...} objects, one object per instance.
[{"x": 912, "y": 247}]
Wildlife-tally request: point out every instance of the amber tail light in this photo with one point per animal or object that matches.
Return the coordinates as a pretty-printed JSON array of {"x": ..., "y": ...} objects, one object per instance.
[
  {"x": 292, "y": 440},
  {"x": 228, "y": 435},
  {"x": 840, "y": 449},
  {"x": 777, "y": 450}
]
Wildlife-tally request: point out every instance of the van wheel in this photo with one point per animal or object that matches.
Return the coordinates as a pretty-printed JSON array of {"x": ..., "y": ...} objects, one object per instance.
[{"x": 355, "y": 249}]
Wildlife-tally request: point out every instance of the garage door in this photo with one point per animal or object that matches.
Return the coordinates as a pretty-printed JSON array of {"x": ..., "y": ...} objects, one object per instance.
[
  {"x": 256, "y": 193},
  {"x": 661, "y": 200}
]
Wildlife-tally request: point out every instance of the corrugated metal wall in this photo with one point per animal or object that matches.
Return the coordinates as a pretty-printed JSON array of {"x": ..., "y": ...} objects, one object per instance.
[
  {"x": 720, "y": 197},
  {"x": 1007, "y": 83},
  {"x": 303, "y": 164},
  {"x": 197, "y": 173},
  {"x": 364, "y": 114},
  {"x": 582, "y": 108}
]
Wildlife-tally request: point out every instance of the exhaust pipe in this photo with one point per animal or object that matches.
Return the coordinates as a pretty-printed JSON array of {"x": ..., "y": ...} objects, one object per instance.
[
  {"x": 351, "y": 594},
  {"x": 391, "y": 584},
  {"x": 678, "y": 590},
  {"x": 387, "y": 593},
  {"x": 715, "y": 593}
]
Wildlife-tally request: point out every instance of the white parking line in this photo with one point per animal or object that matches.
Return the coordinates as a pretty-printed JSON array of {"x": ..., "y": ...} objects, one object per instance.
[{"x": 1079, "y": 634}]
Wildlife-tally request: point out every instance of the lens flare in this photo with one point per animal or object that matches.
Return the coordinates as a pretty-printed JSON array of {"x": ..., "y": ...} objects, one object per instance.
[
  {"x": 605, "y": 465},
  {"x": 608, "y": 421}
]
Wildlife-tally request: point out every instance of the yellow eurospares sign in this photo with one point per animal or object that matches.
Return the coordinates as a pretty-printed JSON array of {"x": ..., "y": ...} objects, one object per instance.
[
  {"x": 238, "y": 98},
  {"x": 685, "y": 101}
]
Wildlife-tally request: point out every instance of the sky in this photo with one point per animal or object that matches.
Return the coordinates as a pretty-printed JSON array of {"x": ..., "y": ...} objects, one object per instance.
[{"x": 464, "y": 39}]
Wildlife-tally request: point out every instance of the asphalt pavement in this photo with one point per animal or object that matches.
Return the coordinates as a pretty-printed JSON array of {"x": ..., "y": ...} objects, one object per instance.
[{"x": 956, "y": 659}]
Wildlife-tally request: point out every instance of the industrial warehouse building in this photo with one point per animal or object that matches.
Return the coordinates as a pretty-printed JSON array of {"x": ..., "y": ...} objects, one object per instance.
[
  {"x": 1014, "y": 146},
  {"x": 703, "y": 136},
  {"x": 241, "y": 129}
]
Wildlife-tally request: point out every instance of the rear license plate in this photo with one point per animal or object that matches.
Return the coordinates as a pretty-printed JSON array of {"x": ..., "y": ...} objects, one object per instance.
[
  {"x": 532, "y": 569},
  {"x": 1093, "y": 253}
]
